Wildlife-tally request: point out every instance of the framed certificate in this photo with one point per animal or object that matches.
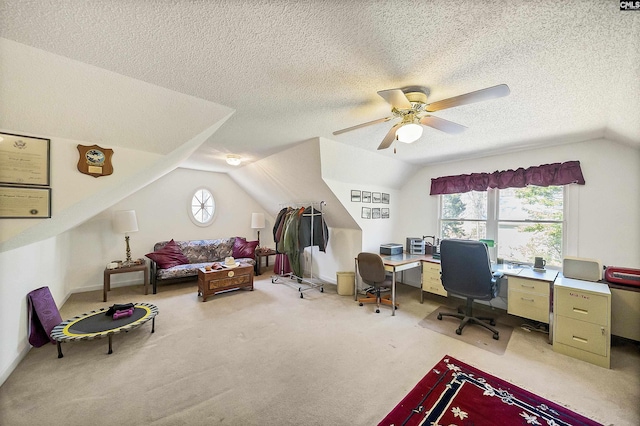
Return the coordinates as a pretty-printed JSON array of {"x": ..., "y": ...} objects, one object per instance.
[
  {"x": 19, "y": 202},
  {"x": 24, "y": 160}
]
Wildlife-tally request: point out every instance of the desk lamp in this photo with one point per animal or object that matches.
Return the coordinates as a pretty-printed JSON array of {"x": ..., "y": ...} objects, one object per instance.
[
  {"x": 125, "y": 221},
  {"x": 257, "y": 222}
]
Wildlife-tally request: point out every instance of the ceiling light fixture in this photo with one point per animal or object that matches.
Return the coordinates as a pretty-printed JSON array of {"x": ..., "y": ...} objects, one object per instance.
[
  {"x": 409, "y": 133},
  {"x": 234, "y": 160}
]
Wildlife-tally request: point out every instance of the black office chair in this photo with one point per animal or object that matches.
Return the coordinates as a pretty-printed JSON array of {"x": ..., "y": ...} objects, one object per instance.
[
  {"x": 466, "y": 271},
  {"x": 371, "y": 270}
]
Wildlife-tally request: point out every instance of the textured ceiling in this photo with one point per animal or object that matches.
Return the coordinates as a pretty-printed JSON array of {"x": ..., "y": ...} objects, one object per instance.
[{"x": 299, "y": 70}]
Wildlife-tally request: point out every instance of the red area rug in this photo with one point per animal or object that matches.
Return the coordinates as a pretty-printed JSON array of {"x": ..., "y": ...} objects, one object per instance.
[{"x": 454, "y": 393}]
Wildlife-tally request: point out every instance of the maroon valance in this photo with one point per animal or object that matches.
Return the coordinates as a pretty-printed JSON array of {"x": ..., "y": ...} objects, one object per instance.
[{"x": 544, "y": 175}]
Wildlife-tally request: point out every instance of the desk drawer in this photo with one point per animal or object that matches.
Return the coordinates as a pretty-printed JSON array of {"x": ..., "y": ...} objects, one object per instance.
[
  {"x": 581, "y": 305},
  {"x": 528, "y": 305},
  {"x": 531, "y": 286},
  {"x": 433, "y": 286},
  {"x": 582, "y": 335},
  {"x": 431, "y": 268},
  {"x": 431, "y": 279}
]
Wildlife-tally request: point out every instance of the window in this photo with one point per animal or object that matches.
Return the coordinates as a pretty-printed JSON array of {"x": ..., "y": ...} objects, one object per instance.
[
  {"x": 523, "y": 222},
  {"x": 464, "y": 215},
  {"x": 202, "y": 207}
]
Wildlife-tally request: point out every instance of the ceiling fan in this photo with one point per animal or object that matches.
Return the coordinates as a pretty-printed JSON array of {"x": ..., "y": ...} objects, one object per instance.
[{"x": 410, "y": 105}]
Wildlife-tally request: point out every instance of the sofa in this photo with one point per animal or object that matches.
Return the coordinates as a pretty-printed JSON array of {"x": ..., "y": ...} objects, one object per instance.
[{"x": 180, "y": 260}]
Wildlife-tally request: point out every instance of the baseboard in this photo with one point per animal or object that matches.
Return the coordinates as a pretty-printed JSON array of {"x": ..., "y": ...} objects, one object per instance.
[{"x": 7, "y": 372}]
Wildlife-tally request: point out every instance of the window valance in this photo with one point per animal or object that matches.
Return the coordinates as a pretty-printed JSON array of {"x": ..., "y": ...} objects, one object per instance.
[{"x": 544, "y": 175}]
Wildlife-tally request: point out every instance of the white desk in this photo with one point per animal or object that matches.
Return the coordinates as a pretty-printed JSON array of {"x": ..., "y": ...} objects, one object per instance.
[{"x": 529, "y": 306}]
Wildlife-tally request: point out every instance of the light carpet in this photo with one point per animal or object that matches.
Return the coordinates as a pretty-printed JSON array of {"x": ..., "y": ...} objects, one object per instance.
[{"x": 268, "y": 357}]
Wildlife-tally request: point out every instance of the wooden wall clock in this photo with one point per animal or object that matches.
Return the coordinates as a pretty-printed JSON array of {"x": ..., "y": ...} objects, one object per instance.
[{"x": 95, "y": 161}]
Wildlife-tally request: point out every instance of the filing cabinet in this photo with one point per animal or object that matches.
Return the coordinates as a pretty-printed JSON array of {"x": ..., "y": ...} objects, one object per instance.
[
  {"x": 529, "y": 298},
  {"x": 582, "y": 320},
  {"x": 431, "y": 279}
]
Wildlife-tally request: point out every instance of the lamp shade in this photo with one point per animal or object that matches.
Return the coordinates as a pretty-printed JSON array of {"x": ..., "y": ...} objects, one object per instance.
[
  {"x": 257, "y": 220},
  {"x": 125, "y": 221},
  {"x": 409, "y": 133}
]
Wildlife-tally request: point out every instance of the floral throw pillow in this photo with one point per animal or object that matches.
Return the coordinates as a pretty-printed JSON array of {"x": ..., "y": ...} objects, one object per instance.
[
  {"x": 243, "y": 248},
  {"x": 168, "y": 256}
]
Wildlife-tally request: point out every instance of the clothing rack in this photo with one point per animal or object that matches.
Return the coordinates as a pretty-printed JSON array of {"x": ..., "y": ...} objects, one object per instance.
[{"x": 317, "y": 209}]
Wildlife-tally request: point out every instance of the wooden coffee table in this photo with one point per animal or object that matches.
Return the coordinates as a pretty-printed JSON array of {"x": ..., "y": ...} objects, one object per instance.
[{"x": 216, "y": 281}]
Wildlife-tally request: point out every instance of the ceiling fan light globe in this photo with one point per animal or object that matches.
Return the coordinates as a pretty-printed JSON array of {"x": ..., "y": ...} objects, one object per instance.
[
  {"x": 234, "y": 160},
  {"x": 409, "y": 133}
]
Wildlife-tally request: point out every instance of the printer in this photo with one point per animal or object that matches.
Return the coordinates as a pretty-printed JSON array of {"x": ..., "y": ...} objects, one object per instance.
[{"x": 390, "y": 249}]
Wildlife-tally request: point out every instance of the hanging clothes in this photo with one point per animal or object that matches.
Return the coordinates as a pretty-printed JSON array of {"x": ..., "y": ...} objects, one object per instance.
[
  {"x": 290, "y": 240},
  {"x": 278, "y": 224},
  {"x": 320, "y": 235}
]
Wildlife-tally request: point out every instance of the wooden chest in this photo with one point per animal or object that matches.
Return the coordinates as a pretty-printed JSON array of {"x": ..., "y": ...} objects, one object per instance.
[{"x": 212, "y": 282}]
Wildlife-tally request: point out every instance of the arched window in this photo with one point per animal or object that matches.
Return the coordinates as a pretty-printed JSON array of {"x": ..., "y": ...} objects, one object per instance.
[{"x": 202, "y": 207}]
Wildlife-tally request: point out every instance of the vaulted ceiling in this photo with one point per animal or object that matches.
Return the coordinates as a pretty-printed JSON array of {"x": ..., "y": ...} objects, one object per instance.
[{"x": 298, "y": 70}]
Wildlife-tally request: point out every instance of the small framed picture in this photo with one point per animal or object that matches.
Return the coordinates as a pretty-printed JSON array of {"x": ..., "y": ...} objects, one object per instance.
[
  {"x": 377, "y": 197},
  {"x": 366, "y": 196},
  {"x": 366, "y": 213},
  {"x": 384, "y": 212},
  {"x": 355, "y": 196},
  {"x": 385, "y": 198},
  {"x": 375, "y": 213}
]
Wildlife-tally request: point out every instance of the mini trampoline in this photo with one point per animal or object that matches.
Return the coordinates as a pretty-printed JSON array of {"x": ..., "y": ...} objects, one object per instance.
[{"x": 96, "y": 325}]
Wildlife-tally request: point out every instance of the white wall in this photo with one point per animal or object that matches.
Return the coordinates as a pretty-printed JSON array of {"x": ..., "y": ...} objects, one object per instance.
[
  {"x": 161, "y": 210},
  {"x": 602, "y": 219},
  {"x": 74, "y": 260},
  {"x": 45, "y": 263}
]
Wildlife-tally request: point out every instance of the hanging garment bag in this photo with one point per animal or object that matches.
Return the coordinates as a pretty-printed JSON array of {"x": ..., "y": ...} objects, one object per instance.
[{"x": 282, "y": 266}]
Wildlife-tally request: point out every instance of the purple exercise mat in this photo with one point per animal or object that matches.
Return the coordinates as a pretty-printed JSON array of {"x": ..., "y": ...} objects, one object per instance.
[{"x": 43, "y": 316}]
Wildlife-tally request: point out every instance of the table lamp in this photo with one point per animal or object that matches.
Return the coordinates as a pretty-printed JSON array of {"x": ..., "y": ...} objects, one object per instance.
[
  {"x": 257, "y": 222},
  {"x": 124, "y": 221}
]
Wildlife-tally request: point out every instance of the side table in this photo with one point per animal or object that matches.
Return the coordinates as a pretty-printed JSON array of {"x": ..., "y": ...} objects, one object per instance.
[
  {"x": 265, "y": 254},
  {"x": 124, "y": 269}
]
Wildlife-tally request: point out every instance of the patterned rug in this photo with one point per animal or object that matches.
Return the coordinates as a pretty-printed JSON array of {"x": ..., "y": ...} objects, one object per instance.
[{"x": 454, "y": 393}]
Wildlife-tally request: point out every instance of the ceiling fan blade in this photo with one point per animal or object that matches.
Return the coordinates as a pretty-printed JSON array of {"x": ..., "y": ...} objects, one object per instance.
[
  {"x": 369, "y": 123},
  {"x": 390, "y": 137},
  {"x": 396, "y": 98},
  {"x": 443, "y": 125},
  {"x": 469, "y": 98}
]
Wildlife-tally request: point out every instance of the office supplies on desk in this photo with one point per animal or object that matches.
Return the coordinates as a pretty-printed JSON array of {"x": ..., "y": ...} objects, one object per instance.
[
  {"x": 415, "y": 246},
  {"x": 539, "y": 263},
  {"x": 391, "y": 248},
  {"x": 435, "y": 252},
  {"x": 624, "y": 276},
  {"x": 581, "y": 268}
]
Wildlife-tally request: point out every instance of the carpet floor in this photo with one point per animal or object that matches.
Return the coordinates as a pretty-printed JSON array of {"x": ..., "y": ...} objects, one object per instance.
[{"x": 268, "y": 357}]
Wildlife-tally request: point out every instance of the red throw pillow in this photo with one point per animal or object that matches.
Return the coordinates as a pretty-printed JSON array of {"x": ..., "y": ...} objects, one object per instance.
[
  {"x": 243, "y": 248},
  {"x": 168, "y": 256}
]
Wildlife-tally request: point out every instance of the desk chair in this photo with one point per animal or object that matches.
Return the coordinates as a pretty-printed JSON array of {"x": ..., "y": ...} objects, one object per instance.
[
  {"x": 466, "y": 271},
  {"x": 371, "y": 270}
]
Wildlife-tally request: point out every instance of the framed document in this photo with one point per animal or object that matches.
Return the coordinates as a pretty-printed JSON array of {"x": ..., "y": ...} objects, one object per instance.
[
  {"x": 19, "y": 202},
  {"x": 24, "y": 160}
]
